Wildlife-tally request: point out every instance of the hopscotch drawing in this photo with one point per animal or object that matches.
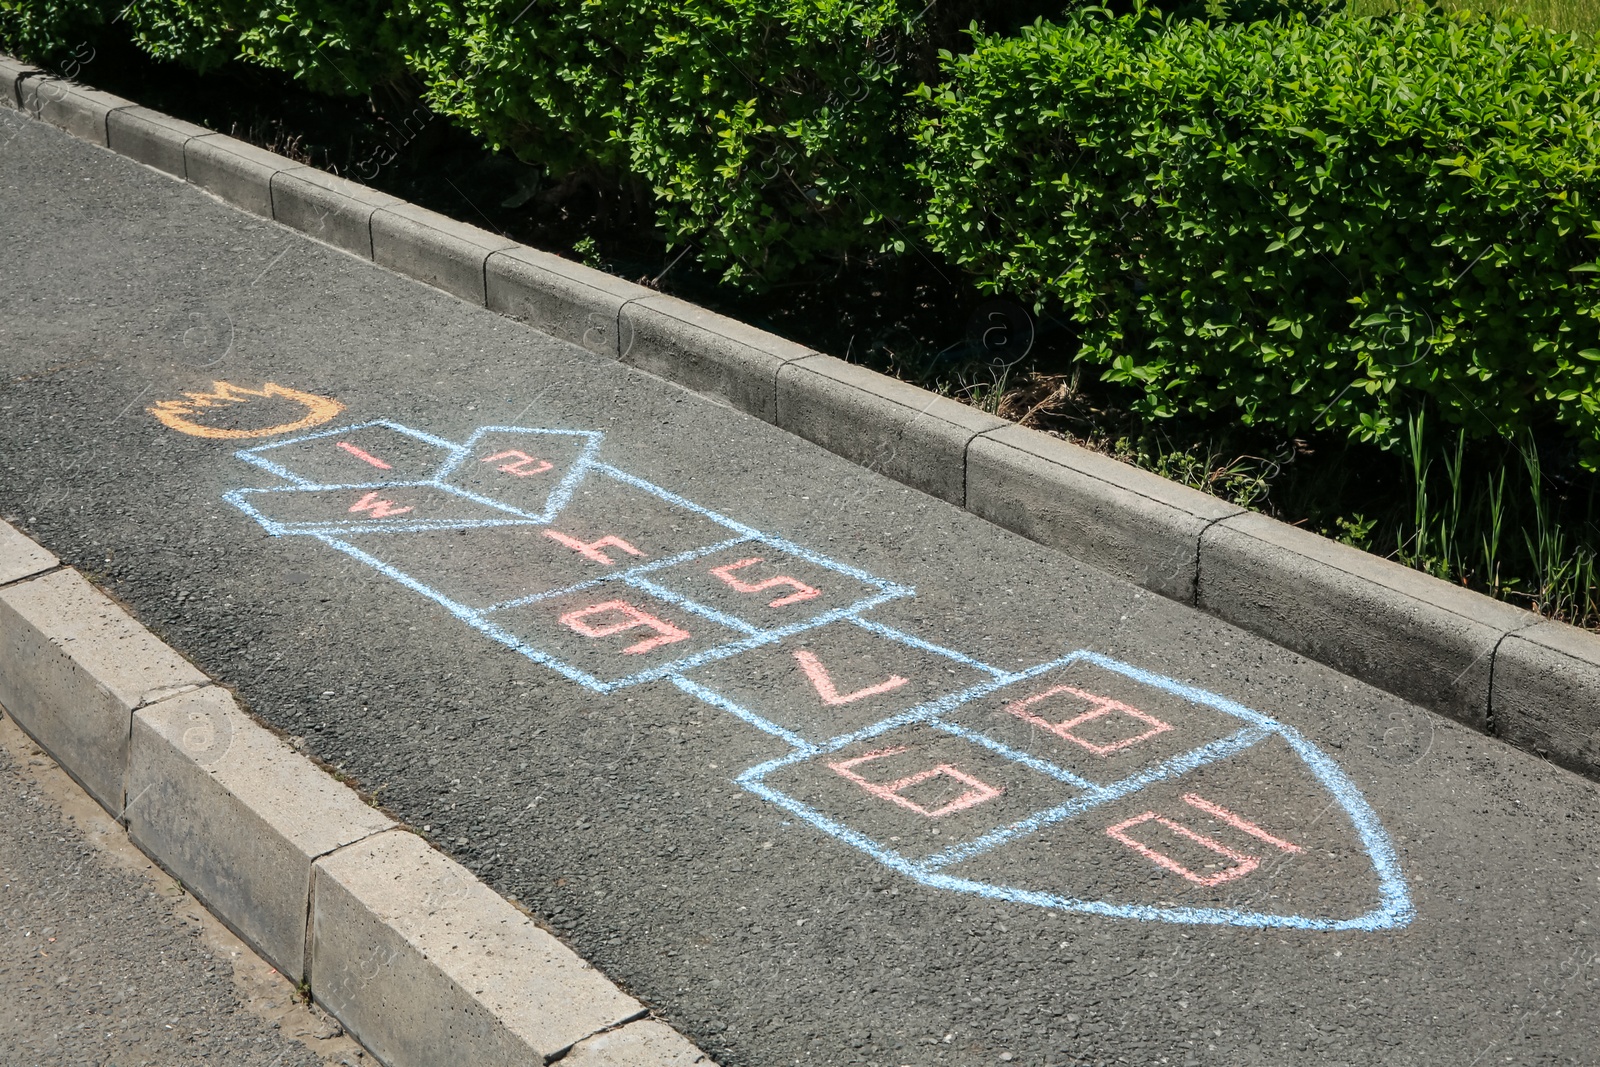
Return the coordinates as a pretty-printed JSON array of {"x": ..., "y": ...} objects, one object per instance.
[{"x": 1082, "y": 784}]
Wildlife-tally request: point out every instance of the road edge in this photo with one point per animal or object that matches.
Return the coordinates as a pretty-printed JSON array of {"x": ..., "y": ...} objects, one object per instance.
[
  {"x": 420, "y": 960},
  {"x": 1507, "y": 672}
]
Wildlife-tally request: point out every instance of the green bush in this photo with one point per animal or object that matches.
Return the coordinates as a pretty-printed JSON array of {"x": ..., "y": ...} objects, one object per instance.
[
  {"x": 341, "y": 47},
  {"x": 1302, "y": 225},
  {"x": 774, "y": 133},
  {"x": 42, "y": 30}
]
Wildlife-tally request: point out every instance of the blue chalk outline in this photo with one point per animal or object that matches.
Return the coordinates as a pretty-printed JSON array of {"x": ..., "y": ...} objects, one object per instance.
[
  {"x": 1395, "y": 908},
  {"x": 254, "y": 456}
]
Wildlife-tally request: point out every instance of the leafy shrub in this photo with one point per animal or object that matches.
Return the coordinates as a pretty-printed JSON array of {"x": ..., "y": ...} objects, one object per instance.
[
  {"x": 341, "y": 47},
  {"x": 1320, "y": 225},
  {"x": 774, "y": 133},
  {"x": 40, "y": 30}
]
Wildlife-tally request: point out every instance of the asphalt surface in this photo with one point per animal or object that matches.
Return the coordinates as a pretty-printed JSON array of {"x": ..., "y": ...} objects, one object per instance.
[
  {"x": 908, "y": 790},
  {"x": 106, "y": 962}
]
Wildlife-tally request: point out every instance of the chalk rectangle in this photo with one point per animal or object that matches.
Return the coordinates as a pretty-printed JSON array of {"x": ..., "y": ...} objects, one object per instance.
[
  {"x": 355, "y": 455},
  {"x": 375, "y": 507},
  {"x": 612, "y": 635},
  {"x": 832, "y": 680},
  {"x": 1098, "y": 723},
  {"x": 914, "y": 792}
]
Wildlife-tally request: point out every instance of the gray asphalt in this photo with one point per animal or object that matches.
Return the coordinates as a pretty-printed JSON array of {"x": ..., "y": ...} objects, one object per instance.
[
  {"x": 103, "y": 959},
  {"x": 1184, "y": 846}
]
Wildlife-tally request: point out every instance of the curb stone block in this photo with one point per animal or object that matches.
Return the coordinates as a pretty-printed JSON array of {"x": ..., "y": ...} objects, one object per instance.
[
  {"x": 434, "y": 249},
  {"x": 328, "y": 208},
  {"x": 1129, "y": 522},
  {"x": 1390, "y": 626},
  {"x": 426, "y": 965},
  {"x": 12, "y": 71},
  {"x": 238, "y": 817},
  {"x": 20, "y": 557},
  {"x": 237, "y": 172},
  {"x": 81, "y": 112},
  {"x": 706, "y": 352},
  {"x": 562, "y": 298},
  {"x": 645, "y": 1043},
  {"x": 1543, "y": 696},
  {"x": 73, "y": 666},
  {"x": 901, "y": 431},
  {"x": 151, "y": 138}
]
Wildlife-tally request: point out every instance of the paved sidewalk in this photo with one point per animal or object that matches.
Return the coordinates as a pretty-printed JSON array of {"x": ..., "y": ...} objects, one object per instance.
[
  {"x": 106, "y": 962},
  {"x": 820, "y": 768}
]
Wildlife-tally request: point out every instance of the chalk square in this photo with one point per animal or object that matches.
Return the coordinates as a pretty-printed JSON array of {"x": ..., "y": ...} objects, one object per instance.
[
  {"x": 480, "y": 567},
  {"x": 774, "y": 588},
  {"x": 1095, "y": 722},
  {"x": 614, "y": 635},
  {"x": 609, "y": 533},
  {"x": 399, "y": 508},
  {"x": 835, "y": 679},
  {"x": 608, "y": 527},
  {"x": 917, "y": 791},
  {"x": 376, "y": 453},
  {"x": 532, "y": 470}
]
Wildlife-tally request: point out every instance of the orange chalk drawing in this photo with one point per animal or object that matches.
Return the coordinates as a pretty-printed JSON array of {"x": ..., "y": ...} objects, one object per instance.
[
  {"x": 977, "y": 792},
  {"x": 801, "y": 592},
  {"x": 519, "y": 461},
  {"x": 822, "y": 682},
  {"x": 381, "y": 509},
  {"x": 591, "y": 550},
  {"x": 666, "y": 633},
  {"x": 175, "y": 414}
]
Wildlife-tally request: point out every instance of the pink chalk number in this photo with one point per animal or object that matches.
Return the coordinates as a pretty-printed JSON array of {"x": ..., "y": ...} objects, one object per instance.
[
  {"x": 380, "y": 509},
  {"x": 1099, "y": 707},
  {"x": 1243, "y": 862},
  {"x": 977, "y": 791},
  {"x": 365, "y": 457},
  {"x": 802, "y": 591},
  {"x": 591, "y": 550},
  {"x": 822, "y": 682},
  {"x": 632, "y": 618},
  {"x": 520, "y": 461}
]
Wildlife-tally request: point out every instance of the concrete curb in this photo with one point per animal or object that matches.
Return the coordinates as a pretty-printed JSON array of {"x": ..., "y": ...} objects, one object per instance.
[
  {"x": 423, "y": 963},
  {"x": 1450, "y": 650}
]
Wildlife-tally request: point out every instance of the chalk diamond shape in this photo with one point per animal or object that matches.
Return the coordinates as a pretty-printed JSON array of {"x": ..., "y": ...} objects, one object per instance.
[
  {"x": 372, "y": 453},
  {"x": 533, "y": 471}
]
